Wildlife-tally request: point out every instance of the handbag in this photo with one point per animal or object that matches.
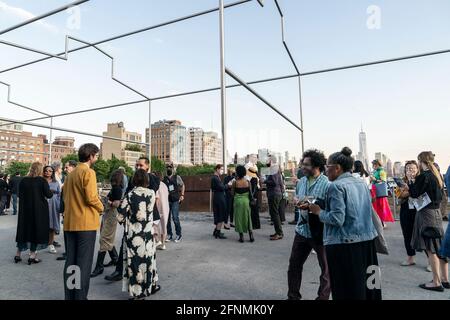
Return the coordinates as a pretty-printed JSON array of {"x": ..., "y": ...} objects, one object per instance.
[
  {"x": 380, "y": 241},
  {"x": 253, "y": 201},
  {"x": 381, "y": 190},
  {"x": 432, "y": 233}
]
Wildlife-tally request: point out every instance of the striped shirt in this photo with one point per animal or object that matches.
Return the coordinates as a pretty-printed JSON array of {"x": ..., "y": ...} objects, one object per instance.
[{"x": 318, "y": 189}]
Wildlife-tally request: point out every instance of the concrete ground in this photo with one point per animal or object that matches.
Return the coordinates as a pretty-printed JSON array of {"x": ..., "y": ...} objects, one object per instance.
[{"x": 201, "y": 267}]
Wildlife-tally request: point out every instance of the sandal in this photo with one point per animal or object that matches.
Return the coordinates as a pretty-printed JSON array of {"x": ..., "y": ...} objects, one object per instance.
[{"x": 407, "y": 264}]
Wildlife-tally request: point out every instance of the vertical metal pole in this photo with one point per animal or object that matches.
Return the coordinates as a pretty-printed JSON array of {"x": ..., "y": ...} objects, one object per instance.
[
  {"x": 301, "y": 112},
  {"x": 51, "y": 142},
  {"x": 223, "y": 100},
  {"x": 149, "y": 147}
]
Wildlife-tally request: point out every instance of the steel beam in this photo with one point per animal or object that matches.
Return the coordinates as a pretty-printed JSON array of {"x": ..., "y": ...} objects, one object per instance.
[
  {"x": 45, "y": 15},
  {"x": 72, "y": 131},
  {"x": 163, "y": 24},
  {"x": 246, "y": 86}
]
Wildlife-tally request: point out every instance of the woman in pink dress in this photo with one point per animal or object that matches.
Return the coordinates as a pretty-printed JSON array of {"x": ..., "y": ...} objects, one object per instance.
[
  {"x": 381, "y": 205},
  {"x": 162, "y": 202}
]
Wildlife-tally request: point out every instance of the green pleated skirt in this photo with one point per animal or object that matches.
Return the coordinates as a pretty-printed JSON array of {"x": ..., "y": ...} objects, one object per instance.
[{"x": 242, "y": 213}]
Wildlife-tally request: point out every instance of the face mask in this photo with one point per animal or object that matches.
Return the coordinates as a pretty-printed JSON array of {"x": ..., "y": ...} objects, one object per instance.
[{"x": 169, "y": 172}]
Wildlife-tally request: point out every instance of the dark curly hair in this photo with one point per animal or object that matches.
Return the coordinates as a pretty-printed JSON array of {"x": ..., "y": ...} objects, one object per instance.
[
  {"x": 241, "y": 171},
  {"x": 317, "y": 157},
  {"x": 343, "y": 158}
]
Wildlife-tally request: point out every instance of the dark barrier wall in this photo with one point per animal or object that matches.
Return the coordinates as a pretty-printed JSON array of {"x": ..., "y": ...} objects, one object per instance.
[{"x": 197, "y": 194}]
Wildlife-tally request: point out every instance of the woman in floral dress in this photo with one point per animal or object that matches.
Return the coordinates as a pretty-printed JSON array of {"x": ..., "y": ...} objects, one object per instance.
[{"x": 136, "y": 212}]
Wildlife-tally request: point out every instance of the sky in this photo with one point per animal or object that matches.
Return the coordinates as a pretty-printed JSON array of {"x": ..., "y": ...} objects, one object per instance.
[{"x": 403, "y": 107}]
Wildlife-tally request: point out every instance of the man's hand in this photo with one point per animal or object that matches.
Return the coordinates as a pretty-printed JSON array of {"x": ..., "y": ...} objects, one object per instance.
[
  {"x": 181, "y": 198},
  {"x": 315, "y": 209}
]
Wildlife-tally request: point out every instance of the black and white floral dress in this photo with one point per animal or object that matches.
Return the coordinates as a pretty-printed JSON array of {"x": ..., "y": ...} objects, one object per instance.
[{"x": 136, "y": 212}]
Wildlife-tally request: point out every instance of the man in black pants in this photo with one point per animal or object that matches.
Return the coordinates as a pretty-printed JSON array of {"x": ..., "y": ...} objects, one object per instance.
[
  {"x": 142, "y": 163},
  {"x": 82, "y": 208}
]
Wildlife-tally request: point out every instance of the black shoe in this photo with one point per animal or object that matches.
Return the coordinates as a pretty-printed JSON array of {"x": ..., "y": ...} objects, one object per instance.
[
  {"x": 435, "y": 288},
  {"x": 57, "y": 244},
  {"x": 241, "y": 238},
  {"x": 33, "y": 261},
  {"x": 178, "y": 239},
  {"x": 62, "y": 258},
  {"x": 446, "y": 285},
  {"x": 155, "y": 289},
  {"x": 219, "y": 235},
  {"x": 170, "y": 238},
  {"x": 114, "y": 258},
  {"x": 99, "y": 265},
  {"x": 251, "y": 237},
  {"x": 115, "y": 276},
  {"x": 17, "y": 259},
  {"x": 294, "y": 223}
]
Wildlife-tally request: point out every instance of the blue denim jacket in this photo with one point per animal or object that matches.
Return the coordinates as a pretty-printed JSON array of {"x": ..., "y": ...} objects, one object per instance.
[{"x": 348, "y": 214}]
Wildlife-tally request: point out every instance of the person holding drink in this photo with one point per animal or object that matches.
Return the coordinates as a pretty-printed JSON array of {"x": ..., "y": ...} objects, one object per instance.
[{"x": 312, "y": 188}]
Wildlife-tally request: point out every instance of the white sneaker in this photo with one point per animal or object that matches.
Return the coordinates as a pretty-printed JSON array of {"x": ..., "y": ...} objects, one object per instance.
[
  {"x": 428, "y": 268},
  {"x": 51, "y": 249},
  {"x": 163, "y": 247},
  {"x": 158, "y": 243},
  {"x": 313, "y": 251}
]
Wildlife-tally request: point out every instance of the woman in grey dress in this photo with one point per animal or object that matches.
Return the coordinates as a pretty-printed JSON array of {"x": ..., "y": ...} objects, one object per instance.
[
  {"x": 428, "y": 230},
  {"x": 53, "y": 206}
]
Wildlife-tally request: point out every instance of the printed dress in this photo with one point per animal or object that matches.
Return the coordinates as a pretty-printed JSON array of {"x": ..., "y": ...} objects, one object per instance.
[{"x": 136, "y": 212}]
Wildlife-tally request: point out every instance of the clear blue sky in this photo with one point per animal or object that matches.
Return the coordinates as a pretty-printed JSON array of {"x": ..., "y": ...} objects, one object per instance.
[{"x": 404, "y": 107}]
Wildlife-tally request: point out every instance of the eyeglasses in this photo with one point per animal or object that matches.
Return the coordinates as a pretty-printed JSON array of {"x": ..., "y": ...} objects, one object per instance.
[
  {"x": 328, "y": 166},
  {"x": 51, "y": 171}
]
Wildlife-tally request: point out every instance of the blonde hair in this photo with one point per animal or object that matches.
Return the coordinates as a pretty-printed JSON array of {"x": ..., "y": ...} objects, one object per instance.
[
  {"x": 427, "y": 157},
  {"x": 36, "y": 170}
]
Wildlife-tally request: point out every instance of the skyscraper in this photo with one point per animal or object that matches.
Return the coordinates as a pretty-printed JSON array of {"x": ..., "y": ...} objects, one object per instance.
[{"x": 363, "y": 155}]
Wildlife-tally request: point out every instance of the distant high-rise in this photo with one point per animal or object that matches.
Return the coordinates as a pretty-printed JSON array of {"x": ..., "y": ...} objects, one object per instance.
[
  {"x": 170, "y": 142},
  {"x": 120, "y": 149},
  {"x": 363, "y": 154}
]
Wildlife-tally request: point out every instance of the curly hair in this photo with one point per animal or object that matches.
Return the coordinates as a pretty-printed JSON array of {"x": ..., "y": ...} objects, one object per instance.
[{"x": 317, "y": 157}]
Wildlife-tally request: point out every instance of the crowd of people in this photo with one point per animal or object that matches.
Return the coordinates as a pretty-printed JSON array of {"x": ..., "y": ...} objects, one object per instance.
[
  {"x": 340, "y": 212},
  {"x": 51, "y": 203},
  {"x": 338, "y": 206},
  {"x": 236, "y": 200}
]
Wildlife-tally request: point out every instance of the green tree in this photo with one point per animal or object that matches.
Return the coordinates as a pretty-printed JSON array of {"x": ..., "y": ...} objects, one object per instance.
[
  {"x": 102, "y": 169},
  {"x": 158, "y": 165},
  {"x": 195, "y": 170},
  {"x": 114, "y": 164},
  {"x": 133, "y": 147},
  {"x": 17, "y": 166},
  {"x": 69, "y": 157}
]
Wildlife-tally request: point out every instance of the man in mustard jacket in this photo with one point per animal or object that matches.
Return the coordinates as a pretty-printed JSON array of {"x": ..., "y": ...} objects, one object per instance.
[{"x": 81, "y": 222}]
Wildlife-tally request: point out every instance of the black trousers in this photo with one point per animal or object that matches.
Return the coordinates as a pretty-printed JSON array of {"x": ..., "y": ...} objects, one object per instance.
[
  {"x": 407, "y": 217},
  {"x": 282, "y": 209},
  {"x": 79, "y": 257},
  {"x": 301, "y": 248},
  {"x": 274, "y": 206},
  {"x": 349, "y": 265}
]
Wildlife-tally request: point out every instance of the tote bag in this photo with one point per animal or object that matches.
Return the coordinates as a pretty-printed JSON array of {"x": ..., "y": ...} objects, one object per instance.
[{"x": 381, "y": 190}]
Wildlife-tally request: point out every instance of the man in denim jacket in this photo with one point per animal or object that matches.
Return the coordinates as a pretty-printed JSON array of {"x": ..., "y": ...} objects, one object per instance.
[{"x": 315, "y": 185}]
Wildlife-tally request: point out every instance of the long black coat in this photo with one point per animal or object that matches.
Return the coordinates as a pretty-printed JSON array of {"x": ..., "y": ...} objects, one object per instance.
[{"x": 33, "y": 221}]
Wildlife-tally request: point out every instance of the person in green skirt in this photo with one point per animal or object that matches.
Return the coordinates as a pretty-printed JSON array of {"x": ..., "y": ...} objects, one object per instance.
[{"x": 241, "y": 204}]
